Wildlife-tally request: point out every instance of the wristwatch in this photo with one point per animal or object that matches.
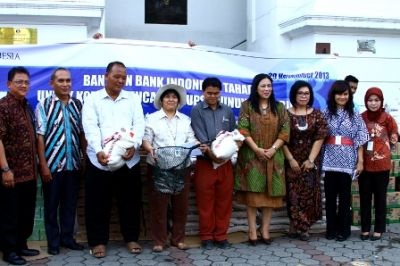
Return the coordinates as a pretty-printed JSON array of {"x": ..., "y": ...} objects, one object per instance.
[{"x": 5, "y": 169}]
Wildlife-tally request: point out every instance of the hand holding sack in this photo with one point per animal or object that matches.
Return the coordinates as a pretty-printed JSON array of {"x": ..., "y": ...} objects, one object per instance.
[
  {"x": 115, "y": 147},
  {"x": 225, "y": 146}
]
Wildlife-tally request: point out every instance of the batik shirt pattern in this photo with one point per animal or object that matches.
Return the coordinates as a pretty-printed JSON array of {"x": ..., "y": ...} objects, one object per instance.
[
  {"x": 17, "y": 133},
  {"x": 343, "y": 158}
]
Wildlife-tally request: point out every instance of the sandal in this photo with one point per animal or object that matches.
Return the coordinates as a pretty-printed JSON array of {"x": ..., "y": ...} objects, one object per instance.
[
  {"x": 158, "y": 249},
  {"x": 98, "y": 251},
  {"x": 181, "y": 246},
  {"x": 134, "y": 247}
]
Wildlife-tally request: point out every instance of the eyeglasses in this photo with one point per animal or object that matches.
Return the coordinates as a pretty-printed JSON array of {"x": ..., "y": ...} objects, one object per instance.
[
  {"x": 300, "y": 93},
  {"x": 21, "y": 82}
]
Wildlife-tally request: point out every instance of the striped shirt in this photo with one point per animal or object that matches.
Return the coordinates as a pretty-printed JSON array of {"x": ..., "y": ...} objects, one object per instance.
[{"x": 61, "y": 127}]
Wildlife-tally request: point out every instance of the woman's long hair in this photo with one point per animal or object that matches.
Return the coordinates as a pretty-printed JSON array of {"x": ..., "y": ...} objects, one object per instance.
[
  {"x": 339, "y": 87},
  {"x": 254, "y": 97}
]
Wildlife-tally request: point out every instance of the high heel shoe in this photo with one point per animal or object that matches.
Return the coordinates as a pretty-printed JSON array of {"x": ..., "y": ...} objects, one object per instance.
[
  {"x": 266, "y": 241},
  {"x": 253, "y": 237},
  {"x": 253, "y": 242}
]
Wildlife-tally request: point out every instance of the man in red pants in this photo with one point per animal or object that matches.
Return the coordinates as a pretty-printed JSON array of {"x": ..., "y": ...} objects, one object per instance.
[{"x": 214, "y": 187}]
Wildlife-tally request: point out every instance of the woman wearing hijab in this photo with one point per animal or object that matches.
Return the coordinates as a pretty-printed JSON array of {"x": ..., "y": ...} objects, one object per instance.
[{"x": 383, "y": 132}]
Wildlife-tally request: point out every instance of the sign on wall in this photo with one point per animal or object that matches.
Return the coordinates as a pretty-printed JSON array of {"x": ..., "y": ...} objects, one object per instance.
[{"x": 9, "y": 35}]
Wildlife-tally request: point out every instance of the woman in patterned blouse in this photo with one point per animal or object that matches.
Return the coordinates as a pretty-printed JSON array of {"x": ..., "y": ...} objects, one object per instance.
[
  {"x": 342, "y": 158},
  {"x": 308, "y": 130},
  {"x": 374, "y": 180}
]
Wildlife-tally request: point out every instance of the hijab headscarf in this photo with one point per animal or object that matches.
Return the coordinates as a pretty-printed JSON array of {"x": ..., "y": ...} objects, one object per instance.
[{"x": 374, "y": 115}]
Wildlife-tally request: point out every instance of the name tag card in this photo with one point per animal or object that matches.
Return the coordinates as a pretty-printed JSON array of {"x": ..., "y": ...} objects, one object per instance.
[
  {"x": 370, "y": 146},
  {"x": 338, "y": 140}
]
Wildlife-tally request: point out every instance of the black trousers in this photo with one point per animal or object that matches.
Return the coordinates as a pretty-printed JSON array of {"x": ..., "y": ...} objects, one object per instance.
[
  {"x": 60, "y": 200},
  {"x": 373, "y": 183},
  {"x": 100, "y": 188},
  {"x": 17, "y": 211},
  {"x": 338, "y": 216}
]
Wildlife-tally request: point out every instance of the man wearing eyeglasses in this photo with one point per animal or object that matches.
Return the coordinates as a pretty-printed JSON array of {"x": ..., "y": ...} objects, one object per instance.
[{"x": 18, "y": 169}]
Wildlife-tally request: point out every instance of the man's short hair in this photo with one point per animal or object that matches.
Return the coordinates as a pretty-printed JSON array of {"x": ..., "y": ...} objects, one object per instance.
[
  {"x": 213, "y": 82},
  {"x": 351, "y": 78},
  {"x": 111, "y": 64},
  {"x": 16, "y": 70},
  {"x": 53, "y": 75}
]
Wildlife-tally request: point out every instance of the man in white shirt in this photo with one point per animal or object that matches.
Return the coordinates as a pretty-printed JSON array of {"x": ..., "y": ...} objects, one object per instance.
[{"x": 105, "y": 112}]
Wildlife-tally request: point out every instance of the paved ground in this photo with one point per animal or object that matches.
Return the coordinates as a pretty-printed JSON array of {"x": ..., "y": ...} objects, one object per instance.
[{"x": 283, "y": 251}]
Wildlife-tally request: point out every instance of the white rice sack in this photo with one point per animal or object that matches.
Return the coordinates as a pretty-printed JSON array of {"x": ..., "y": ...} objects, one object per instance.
[
  {"x": 115, "y": 147},
  {"x": 224, "y": 146}
]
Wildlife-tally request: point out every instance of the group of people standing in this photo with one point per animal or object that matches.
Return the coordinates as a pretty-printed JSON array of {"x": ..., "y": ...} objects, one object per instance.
[{"x": 282, "y": 157}]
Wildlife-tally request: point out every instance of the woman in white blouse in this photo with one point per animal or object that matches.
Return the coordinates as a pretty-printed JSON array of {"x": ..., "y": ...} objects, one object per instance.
[{"x": 167, "y": 127}]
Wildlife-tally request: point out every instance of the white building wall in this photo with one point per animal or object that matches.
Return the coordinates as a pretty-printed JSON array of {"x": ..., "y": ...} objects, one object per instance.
[
  {"x": 291, "y": 28},
  {"x": 220, "y": 23},
  {"x": 55, "y": 20}
]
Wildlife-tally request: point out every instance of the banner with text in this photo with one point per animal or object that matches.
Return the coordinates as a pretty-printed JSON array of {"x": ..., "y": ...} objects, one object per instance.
[{"x": 153, "y": 64}]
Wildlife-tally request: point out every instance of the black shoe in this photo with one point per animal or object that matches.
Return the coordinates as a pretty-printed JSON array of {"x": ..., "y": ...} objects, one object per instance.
[
  {"x": 374, "y": 238},
  {"x": 341, "y": 238},
  {"x": 364, "y": 237},
  {"x": 330, "y": 236},
  {"x": 73, "y": 246},
  {"x": 293, "y": 235},
  {"x": 13, "y": 259},
  {"x": 207, "y": 244},
  {"x": 223, "y": 244},
  {"x": 252, "y": 242},
  {"x": 53, "y": 251},
  {"x": 266, "y": 241},
  {"x": 28, "y": 252}
]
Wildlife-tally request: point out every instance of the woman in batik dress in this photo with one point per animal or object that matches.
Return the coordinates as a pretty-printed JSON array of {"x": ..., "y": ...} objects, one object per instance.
[
  {"x": 259, "y": 172},
  {"x": 308, "y": 130}
]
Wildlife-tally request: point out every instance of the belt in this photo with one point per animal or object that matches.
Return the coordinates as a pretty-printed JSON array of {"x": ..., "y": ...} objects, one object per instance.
[{"x": 338, "y": 140}]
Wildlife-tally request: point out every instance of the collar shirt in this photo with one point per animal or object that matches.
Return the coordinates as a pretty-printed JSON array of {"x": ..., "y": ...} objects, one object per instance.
[
  {"x": 207, "y": 123},
  {"x": 343, "y": 158},
  {"x": 161, "y": 131},
  {"x": 61, "y": 127},
  {"x": 17, "y": 132},
  {"x": 102, "y": 117}
]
